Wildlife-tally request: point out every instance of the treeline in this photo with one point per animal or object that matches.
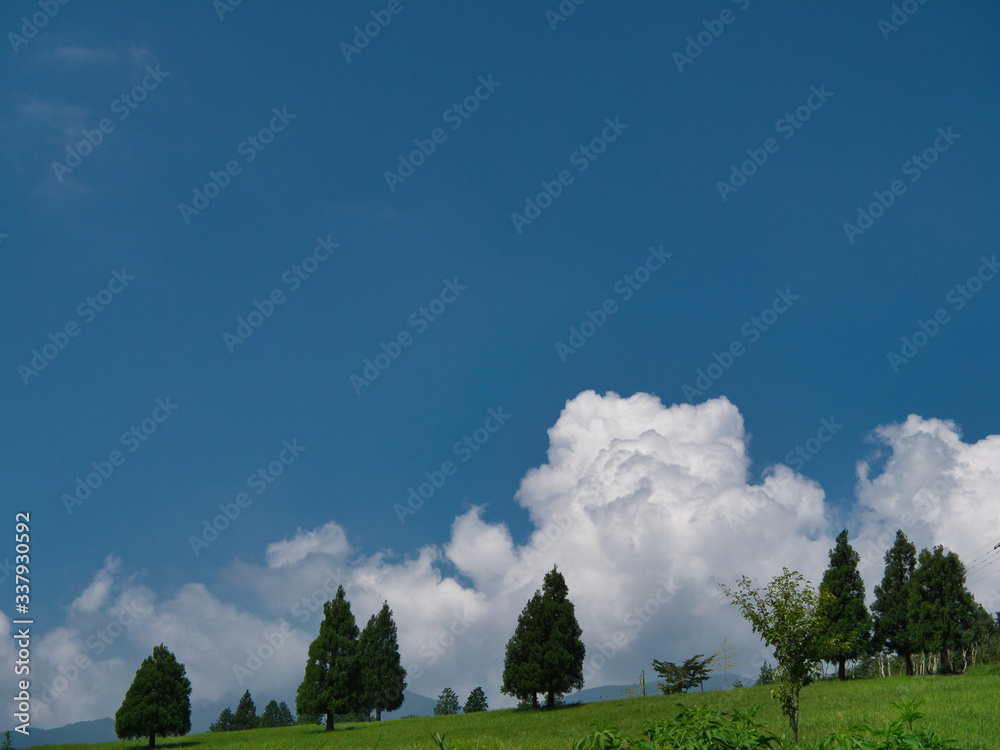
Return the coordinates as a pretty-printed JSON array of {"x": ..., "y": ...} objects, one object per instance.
[
  {"x": 275, "y": 715},
  {"x": 921, "y": 606}
]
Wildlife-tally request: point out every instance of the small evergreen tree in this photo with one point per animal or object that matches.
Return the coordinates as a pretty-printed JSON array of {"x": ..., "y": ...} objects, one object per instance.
[
  {"x": 276, "y": 715},
  {"x": 158, "y": 702},
  {"x": 846, "y": 622},
  {"x": 476, "y": 702},
  {"x": 891, "y": 609},
  {"x": 246, "y": 714},
  {"x": 224, "y": 723},
  {"x": 332, "y": 681},
  {"x": 447, "y": 703}
]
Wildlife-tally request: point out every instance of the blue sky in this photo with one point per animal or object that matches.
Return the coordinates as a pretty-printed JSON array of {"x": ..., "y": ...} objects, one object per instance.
[{"x": 810, "y": 113}]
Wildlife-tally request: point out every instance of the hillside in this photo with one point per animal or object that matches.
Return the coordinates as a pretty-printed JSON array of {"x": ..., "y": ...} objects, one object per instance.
[{"x": 961, "y": 707}]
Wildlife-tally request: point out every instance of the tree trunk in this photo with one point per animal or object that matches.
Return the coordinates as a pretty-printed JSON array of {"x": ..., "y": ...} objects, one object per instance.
[
  {"x": 152, "y": 739},
  {"x": 378, "y": 714},
  {"x": 909, "y": 664},
  {"x": 550, "y": 699},
  {"x": 329, "y": 722},
  {"x": 793, "y": 720},
  {"x": 534, "y": 700},
  {"x": 945, "y": 665},
  {"x": 842, "y": 670}
]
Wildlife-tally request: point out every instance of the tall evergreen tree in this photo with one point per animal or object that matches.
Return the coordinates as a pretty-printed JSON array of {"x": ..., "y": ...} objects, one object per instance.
[
  {"x": 332, "y": 681},
  {"x": 942, "y": 608},
  {"x": 476, "y": 702},
  {"x": 246, "y": 714},
  {"x": 846, "y": 621},
  {"x": 382, "y": 673},
  {"x": 545, "y": 654},
  {"x": 158, "y": 701},
  {"x": 890, "y": 610}
]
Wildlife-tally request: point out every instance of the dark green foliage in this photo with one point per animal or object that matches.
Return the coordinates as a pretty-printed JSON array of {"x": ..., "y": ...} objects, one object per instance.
[
  {"x": 545, "y": 654},
  {"x": 476, "y": 702},
  {"x": 309, "y": 718},
  {"x": 691, "y": 729},
  {"x": 890, "y": 610},
  {"x": 704, "y": 729},
  {"x": 382, "y": 674},
  {"x": 224, "y": 723},
  {"x": 893, "y": 736},
  {"x": 332, "y": 681},
  {"x": 680, "y": 679},
  {"x": 942, "y": 609},
  {"x": 447, "y": 703},
  {"x": 846, "y": 622},
  {"x": 158, "y": 702},
  {"x": 276, "y": 715},
  {"x": 246, "y": 714}
]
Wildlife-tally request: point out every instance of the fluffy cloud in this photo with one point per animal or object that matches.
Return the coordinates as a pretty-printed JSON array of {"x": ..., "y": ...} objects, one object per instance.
[
  {"x": 938, "y": 490},
  {"x": 644, "y": 507},
  {"x": 326, "y": 540}
]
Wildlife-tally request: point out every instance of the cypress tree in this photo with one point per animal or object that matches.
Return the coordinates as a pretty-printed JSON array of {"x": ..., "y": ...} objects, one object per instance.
[
  {"x": 890, "y": 610},
  {"x": 332, "y": 681},
  {"x": 846, "y": 621},
  {"x": 382, "y": 673},
  {"x": 158, "y": 701},
  {"x": 943, "y": 610}
]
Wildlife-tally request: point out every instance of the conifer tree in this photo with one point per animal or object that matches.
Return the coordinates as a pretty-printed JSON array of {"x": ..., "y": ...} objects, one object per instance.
[
  {"x": 382, "y": 673},
  {"x": 846, "y": 621},
  {"x": 332, "y": 681},
  {"x": 890, "y": 610},
  {"x": 158, "y": 701}
]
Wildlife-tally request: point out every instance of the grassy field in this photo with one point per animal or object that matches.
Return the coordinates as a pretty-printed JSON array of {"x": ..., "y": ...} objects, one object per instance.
[{"x": 962, "y": 707}]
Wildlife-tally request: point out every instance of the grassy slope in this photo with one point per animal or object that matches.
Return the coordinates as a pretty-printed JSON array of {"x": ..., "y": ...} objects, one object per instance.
[{"x": 962, "y": 707}]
